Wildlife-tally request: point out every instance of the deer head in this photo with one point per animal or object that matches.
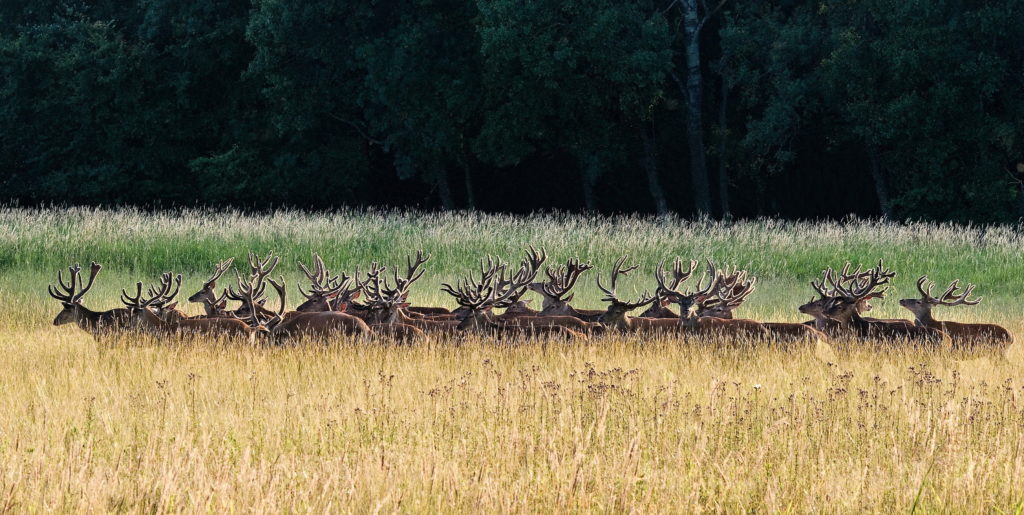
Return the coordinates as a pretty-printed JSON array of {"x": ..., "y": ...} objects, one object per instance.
[
  {"x": 323, "y": 287},
  {"x": 615, "y": 316},
  {"x": 561, "y": 280},
  {"x": 688, "y": 301},
  {"x": 69, "y": 295},
  {"x": 861, "y": 286},
  {"x": 729, "y": 294},
  {"x": 826, "y": 290},
  {"x": 922, "y": 307},
  {"x": 158, "y": 300},
  {"x": 208, "y": 294}
]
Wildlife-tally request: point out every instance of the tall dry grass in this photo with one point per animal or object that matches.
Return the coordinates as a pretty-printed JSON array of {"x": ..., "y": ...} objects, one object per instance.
[{"x": 617, "y": 424}]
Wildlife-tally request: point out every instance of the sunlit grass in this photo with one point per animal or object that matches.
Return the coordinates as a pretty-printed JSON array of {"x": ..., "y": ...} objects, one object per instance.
[{"x": 616, "y": 424}]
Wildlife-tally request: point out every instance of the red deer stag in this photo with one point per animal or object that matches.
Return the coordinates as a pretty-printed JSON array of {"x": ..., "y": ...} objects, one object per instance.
[
  {"x": 816, "y": 307},
  {"x": 962, "y": 335},
  {"x": 207, "y": 296},
  {"x": 321, "y": 325},
  {"x": 386, "y": 304},
  {"x": 492, "y": 290},
  {"x": 557, "y": 291},
  {"x": 616, "y": 316},
  {"x": 70, "y": 297},
  {"x": 733, "y": 290},
  {"x": 689, "y": 301},
  {"x": 660, "y": 307},
  {"x": 874, "y": 284}
]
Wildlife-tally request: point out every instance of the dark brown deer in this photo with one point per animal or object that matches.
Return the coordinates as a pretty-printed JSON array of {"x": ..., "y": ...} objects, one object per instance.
[
  {"x": 326, "y": 292},
  {"x": 146, "y": 316},
  {"x": 816, "y": 307},
  {"x": 160, "y": 299},
  {"x": 386, "y": 303},
  {"x": 660, "y": 307},
  {"x": 689, "y": 301},
  {"x": 70, "y": 297},
  {"x": 962, "y": 335},
  {"x": 297, "y": 325},
  {"x": 494, "y": 288},
  {"x": 733, "y": 290},
  {"x": 874, "y": 283},
  {"x": 557, "y": 291},
  {"x": 616, "y": 316},
  {"x": 207, "y": 296}
]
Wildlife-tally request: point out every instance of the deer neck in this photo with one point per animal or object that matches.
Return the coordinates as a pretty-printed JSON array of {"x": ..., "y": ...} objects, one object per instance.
[
  {"x": 476, "y": 320},
  {"x": 688, "y": 317},
  {"x": 553, "y": 306},
  {"x": 619, "y": 321},
  {"x": 925, "y": 319},
  {"x": 86, "y": 318},
  {"x": 822, "y": 322},
  {"x": 155, "y": 320}
]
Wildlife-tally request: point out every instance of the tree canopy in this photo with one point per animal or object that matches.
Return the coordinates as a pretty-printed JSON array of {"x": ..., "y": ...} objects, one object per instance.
[{"x": 906, "y": 109}]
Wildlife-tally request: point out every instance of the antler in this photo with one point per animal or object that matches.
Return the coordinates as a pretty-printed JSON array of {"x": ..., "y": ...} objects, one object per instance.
[
  {"x": 950, "y": 297},
  {"x": 323, "y": 285},
  {"x": 219, "y": 271},
  {"x": 678, "y": 275},
  {"x": 610, "y": 295},
  {"x": 249, "y": 293},
  {"x": 164, "y": 295},
  {"x": 860, "y": 286},
  {"x": 282, "y": 293},
  {"x": 563, "y": 279},
  {"x": 509, "y": 291},
  {"x": 69, "y": 294},
  {"x": 474, "y": 294},
  {"x": 263, "y": 268},
  {"x": 732, "y": 290},
  {"x": 701, "y": 291}
]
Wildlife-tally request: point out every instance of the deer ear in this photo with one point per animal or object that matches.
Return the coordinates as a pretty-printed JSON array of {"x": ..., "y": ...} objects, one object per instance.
[
  {"x": 569, "y": 298},
  {"x": 211, "y": 285},
  {"x": 404, "y": 305},
  {"x": 171, "y": 305},
  {"x": 356, "y": 294},
  {"x": 341, "y": 306},
  {"x": 223, "y": 304}
]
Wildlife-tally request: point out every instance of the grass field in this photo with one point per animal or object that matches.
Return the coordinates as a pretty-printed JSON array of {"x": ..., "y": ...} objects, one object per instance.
[{"x": 618, "y": 424}]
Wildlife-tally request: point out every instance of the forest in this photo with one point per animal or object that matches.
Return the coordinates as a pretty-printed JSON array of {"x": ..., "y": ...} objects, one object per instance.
[{"x": 910, "y": 109}]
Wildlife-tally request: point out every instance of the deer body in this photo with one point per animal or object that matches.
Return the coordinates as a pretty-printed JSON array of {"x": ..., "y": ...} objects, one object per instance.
[
  {"x": 72, "y": 311},
  {"x": 94, "y": 322},
  {"x": 324, "y": 324},
  {"x": 226, "y": 327},
  {"x": 962, "y": 335},
  {"x": 886, "y": 331}
]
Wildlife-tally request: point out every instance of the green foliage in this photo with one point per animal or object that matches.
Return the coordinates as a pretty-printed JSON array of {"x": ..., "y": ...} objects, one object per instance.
[{"x": 322, "y": 104}]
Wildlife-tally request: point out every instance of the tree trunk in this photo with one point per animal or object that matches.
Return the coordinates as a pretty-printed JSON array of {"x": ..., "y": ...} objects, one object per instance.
[
  {"x": 694, "y": 124},
  {"x": 590, "y": 170},
  {"x": 651, "y": 167},
  {"x": 444, "y": 190},
  {"x": 881, "y": 184},
  {"x": 468, "y": 181},
  {"x": 723, "y": 172}
]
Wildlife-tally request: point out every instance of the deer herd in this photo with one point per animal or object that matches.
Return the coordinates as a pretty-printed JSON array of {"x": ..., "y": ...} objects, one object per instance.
[{"x": 376, "y": 303}]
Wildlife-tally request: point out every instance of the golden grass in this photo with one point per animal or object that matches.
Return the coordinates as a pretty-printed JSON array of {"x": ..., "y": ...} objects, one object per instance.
[{"x": 613, "y": 425}]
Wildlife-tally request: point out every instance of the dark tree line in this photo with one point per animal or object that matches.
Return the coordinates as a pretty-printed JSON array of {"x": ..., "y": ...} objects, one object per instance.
[{"x": 908, "y": 108}]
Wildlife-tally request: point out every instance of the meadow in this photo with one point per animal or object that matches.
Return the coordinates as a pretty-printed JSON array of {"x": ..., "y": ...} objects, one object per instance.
[{"x": 621, "y": 423}]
